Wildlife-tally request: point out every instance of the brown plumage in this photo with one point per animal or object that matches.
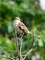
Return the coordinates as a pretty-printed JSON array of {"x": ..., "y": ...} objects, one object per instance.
[
  {"x": 20, "y": 27},
  {"x": 23, "y": 28}
]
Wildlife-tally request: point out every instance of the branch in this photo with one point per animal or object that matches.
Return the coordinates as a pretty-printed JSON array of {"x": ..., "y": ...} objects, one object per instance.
[
  {"x": 4, "y": 57},
  {"x": 6, "y": 53},
  {"x": 34, "y": 35},
  {"x": 16, "y": 42},
  {"x": 7, "y": 57},
  {"x": 28, "y": 53},
  {"x": 20, "y": 49},
  {"x": 32, "y": 40}
]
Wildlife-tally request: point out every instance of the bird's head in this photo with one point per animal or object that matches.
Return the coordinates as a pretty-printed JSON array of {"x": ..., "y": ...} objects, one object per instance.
[{"x": 17, "y": 18}]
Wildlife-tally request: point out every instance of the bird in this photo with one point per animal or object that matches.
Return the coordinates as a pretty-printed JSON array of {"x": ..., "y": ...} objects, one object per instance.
[{"x": 21, "y": 28}]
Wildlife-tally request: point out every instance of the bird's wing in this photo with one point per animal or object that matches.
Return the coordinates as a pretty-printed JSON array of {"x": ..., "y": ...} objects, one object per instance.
[{"x": 23, "y": 27}]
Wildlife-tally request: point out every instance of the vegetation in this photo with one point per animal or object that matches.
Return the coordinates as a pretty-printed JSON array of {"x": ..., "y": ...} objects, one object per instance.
[{"x": 33, "y": 17}]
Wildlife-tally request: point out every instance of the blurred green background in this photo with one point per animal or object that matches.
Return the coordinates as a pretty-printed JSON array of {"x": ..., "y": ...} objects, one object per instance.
[{"x": 33, "y": 17}]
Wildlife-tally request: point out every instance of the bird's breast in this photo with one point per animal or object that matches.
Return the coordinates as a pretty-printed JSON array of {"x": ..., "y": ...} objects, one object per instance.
[{"x": 15, "y": 24}]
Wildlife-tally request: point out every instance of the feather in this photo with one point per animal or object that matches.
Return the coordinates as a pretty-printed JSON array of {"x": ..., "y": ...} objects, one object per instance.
[{"x": 23, "y": 28}]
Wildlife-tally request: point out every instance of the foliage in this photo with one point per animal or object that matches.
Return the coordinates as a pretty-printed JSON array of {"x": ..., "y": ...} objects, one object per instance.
[{"x": 32, "y": 16}]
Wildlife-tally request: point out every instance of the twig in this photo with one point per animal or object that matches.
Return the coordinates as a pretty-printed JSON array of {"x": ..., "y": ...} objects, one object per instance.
[
  {"x": 16, "y": 42},
  {"x": 6, "y": 53},
  {"x": 34, "y": 35},
  {"x": 32, "y": 42},
  {"x": 21, "y": 44},
  {"x": 28, "y": 52},
  {"x": 15, "y": 45},
  {"x": 20, "y": 48},
  {"x": 1, "y": 56}
]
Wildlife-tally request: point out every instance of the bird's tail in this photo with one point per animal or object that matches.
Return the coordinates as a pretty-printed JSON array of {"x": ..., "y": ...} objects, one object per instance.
[{"x": 33, "y": 34}]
